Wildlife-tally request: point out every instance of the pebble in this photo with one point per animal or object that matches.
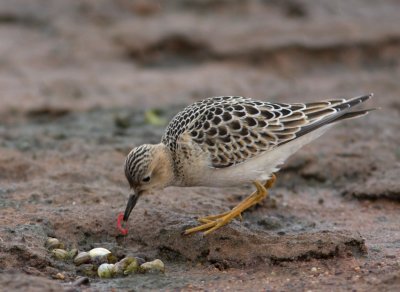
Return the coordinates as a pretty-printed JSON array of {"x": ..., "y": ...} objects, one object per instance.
[
  {"x": 72, "y": 253},
  {"x": 98, "y": 252},
  {"x": 59, "y": 276},
  {"x": 314, "y": 270},
  {"x": 101, "y": 255},
  {"x": 100, "y": 261},
  {"x": 82, "y": 258},
  {"x": 60, "y": 254},
  {"x": 153, "y": 266},
  {"x": 106, "y": 271},
  {"x": 53, "y": 243},
  {"x": 126, "y": 266},
  {"x": 132, "y": 268}
]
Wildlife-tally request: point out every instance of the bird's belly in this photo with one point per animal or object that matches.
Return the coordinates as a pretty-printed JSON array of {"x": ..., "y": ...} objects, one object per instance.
[{"x": 228, "y": 177}]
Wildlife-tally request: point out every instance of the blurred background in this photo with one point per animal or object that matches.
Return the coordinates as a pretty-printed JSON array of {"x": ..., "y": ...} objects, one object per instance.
[
  {"x": 85, "y": 54},
  {"x": 83, "y": 81}
]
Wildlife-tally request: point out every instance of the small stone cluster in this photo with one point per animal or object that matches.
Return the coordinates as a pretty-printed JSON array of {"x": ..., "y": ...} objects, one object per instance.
[{"x": 101, "y": 262}]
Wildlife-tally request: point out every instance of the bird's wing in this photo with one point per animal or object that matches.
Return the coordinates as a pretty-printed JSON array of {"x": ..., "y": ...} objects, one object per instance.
[{"x": 232, "y": 130}]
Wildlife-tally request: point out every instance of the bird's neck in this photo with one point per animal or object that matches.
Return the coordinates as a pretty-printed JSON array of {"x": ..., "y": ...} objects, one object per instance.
[{"x": 164, "y": 163}]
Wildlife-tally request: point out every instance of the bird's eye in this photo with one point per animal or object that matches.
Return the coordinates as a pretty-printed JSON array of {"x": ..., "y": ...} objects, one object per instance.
[{"x": 146, "y": 179}]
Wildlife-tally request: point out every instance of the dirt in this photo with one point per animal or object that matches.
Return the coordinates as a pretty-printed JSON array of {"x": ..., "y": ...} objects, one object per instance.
[{"x": 77, "y": 78}]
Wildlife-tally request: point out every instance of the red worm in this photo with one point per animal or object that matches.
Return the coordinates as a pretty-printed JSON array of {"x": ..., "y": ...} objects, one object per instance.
[{"x": 123, "y": 231}]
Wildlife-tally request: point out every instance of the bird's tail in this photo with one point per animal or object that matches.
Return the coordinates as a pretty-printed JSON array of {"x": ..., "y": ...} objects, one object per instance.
[{"x": 327, "y": 112}]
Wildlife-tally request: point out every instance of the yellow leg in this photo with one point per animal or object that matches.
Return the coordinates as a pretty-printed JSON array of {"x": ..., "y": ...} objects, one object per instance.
[
  {"x": 214, "y": 222},
  {"x": 268, "y": 184},
  {"x": 211, "y": 218}
]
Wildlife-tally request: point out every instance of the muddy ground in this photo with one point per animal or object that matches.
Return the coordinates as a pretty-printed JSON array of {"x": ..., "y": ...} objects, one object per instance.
[{"x": 76, "y": 80}]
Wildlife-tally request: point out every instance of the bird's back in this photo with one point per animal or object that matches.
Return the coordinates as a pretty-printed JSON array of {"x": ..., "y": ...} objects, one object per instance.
[{"x": 229, "y": 131}]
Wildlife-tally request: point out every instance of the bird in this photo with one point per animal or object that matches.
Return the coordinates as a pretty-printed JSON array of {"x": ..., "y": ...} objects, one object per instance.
[{"x": 227, "y": 141}]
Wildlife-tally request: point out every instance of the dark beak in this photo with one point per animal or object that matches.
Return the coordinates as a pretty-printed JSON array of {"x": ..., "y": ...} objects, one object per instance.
[{"x": 131, "y": 204}]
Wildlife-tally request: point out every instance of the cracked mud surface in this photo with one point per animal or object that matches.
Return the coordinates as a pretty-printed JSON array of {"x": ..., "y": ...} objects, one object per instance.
[{"x": 77, "y": 78}]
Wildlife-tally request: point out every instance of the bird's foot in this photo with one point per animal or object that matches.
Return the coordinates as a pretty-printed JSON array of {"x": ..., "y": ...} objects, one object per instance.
[{"x": 213, "y": 222}]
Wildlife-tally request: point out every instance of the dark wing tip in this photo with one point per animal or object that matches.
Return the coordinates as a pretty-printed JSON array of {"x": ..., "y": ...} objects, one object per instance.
[{"x": 322, "y": 117}]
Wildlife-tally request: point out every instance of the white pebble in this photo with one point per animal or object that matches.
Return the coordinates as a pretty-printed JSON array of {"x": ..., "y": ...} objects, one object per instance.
[
  {"x": 314, "y": 269},
  {"x": 153, "y": 266},
  {"x": 106, "y": 271},
  {"x": 98, "y": 252}
]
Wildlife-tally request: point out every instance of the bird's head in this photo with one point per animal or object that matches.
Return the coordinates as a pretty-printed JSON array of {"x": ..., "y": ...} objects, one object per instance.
[{"x": 147, "y": 168}]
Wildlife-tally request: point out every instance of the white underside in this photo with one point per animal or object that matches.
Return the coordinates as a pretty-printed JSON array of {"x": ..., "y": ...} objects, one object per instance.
[{"x": 257, "y": 168}]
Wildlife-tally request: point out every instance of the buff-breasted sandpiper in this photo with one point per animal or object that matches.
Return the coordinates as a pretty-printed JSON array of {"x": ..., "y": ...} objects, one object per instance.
[{"x": 228, "y": 141}]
